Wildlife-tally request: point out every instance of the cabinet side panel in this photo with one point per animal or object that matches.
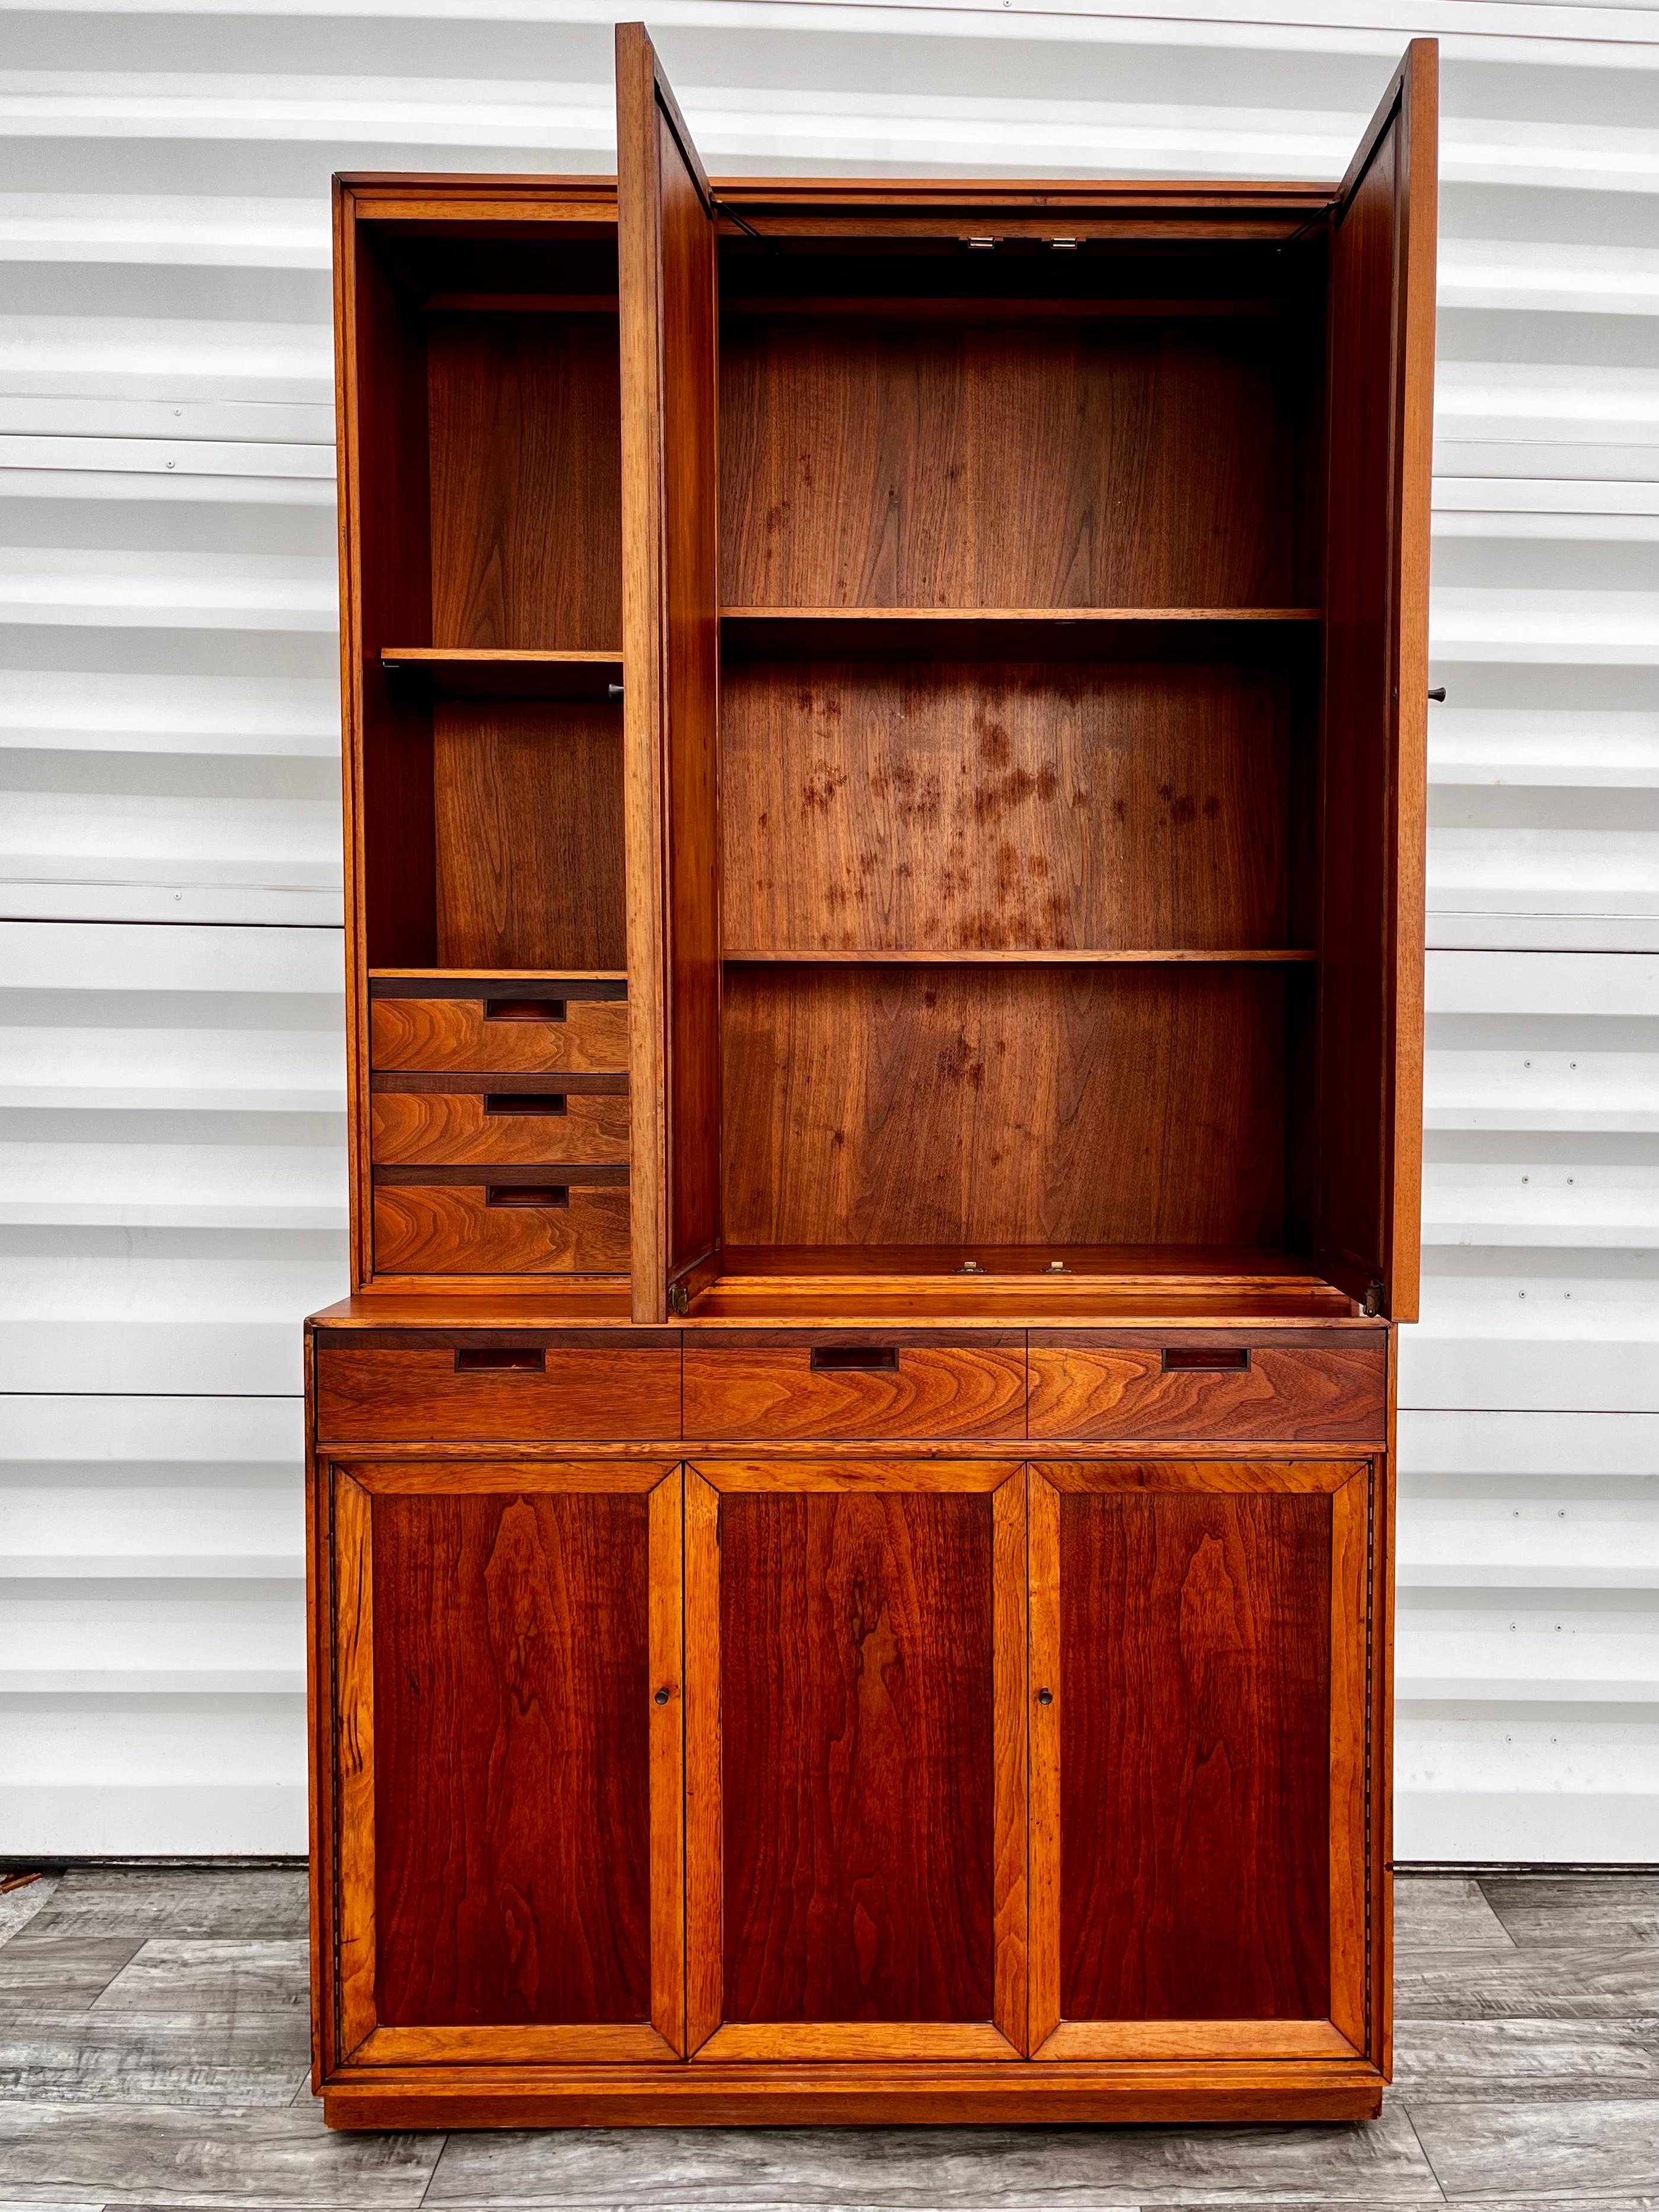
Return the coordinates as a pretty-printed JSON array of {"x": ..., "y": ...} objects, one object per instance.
[
  {"x": 1195, "y": 1706},
  {"x": 512, "y": 1788},
  {"x": 857, "y": 1706}
]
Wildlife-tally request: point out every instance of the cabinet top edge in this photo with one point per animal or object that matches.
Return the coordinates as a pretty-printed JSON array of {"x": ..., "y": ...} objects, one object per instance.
[{"x": 384, "y": 193}]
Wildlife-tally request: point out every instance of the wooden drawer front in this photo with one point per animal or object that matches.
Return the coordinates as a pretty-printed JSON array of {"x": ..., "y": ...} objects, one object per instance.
[
  {"x": 810, "y": 1383},
  {"x": 429, "y": 1226},
  {"x": 391, "y": 1386},
  {"x": 1290, "y": 1387},
  {"x": 444, "y": 1031},
  {"x": 492, "y": 1120}
]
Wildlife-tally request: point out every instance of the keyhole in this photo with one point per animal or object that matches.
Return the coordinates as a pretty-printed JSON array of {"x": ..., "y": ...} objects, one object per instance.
[{"x": 1045, "y": 1696}]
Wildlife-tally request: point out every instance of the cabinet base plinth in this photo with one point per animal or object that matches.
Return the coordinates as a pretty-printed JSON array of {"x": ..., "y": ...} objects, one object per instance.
[{"x": 828, "y": 2095}]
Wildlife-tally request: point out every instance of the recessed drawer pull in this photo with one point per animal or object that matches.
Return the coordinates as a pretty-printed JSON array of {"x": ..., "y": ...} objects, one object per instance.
[
  {"x": 527, "y": 1194},
  {"x": 494, "y": 1359},
  {"x": 1226, "y": 1358},
  {"x": 524, "y": 1010},
  {"x": 525, "y": 1102},
  {"x": 863, "y": 1358}
]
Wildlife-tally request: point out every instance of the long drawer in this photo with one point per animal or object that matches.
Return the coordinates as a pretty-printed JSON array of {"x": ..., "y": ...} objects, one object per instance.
[
  {"x": 506, "y": 1025},
  {"x": 507, "y": 1221},
  {"x": 1304, "y": 1386},
  {"x": 811, "y": 1383},
  {"x": 497, "y": 1120},
  {"x": 497, "y": 1386}
]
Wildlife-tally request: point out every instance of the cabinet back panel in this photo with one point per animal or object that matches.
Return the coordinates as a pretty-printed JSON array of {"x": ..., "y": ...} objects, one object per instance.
[
  {"x": 526, "y": 481},
  {"x": 856, "y": 1707},
  {"x": 881, "y": 463},
  {"x": 512, "y": 1800},
  {"x": 1005, "y": 1105},
  {"x": 1194, "y": 1756},
  {"x": 529, "y": 805},
  {"x": 977, "y": 807}
]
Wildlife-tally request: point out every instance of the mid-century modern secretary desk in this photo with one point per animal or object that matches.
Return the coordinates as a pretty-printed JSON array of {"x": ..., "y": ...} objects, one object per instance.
[{"x": 850, "y": 1504}]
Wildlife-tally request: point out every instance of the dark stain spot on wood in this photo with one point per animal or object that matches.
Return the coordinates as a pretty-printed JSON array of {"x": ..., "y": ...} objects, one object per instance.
[{"x": 818, "y": 793}]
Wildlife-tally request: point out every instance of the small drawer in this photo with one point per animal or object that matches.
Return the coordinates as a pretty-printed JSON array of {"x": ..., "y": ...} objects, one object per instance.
[
  {"x": 393, "y": 1386},
  {"x": 1304, "y": 1386},
  {"x": 511, "y": 1221},
  {"x": 811, "y": 1383},
  {"x": 505, "y": 1027},
  {"x": 497, "y": 1120}
]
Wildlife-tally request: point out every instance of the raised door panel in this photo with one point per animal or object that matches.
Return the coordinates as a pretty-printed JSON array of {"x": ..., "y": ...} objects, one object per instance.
[
  {"x": 508, "y": 1746},
  {"x": 671, "y": 649},
  {"x": 855, "y": 1760},
  {"x": 1199, "y": 1720},
  {"x": 1380, "y": 434}
]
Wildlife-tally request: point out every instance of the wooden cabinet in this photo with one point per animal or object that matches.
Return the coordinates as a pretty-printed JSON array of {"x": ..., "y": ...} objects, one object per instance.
[{"x": 851, "y": 1498}]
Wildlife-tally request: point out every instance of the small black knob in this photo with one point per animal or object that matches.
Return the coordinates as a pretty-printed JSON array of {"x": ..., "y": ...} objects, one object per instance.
[
  {"x": 662, "y": 1697},
  {"x": 1045, "y": 1696}
]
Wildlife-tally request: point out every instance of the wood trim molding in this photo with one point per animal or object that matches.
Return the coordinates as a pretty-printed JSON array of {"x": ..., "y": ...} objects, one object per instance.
[
  {"x": 665, "y": 1539},
  {"x": 1009, "y": 1812},
  {"x": 704, "y": 1904},
  {"x": 1195, "y": 2040},
  {"x": 860, "y": 1473},
  {"x": 354, "y": 1762},
  {"x": 621, "y": 2043},
  {"x": 897, "y": 2039},
  {"x": 507, "y": 1477}
]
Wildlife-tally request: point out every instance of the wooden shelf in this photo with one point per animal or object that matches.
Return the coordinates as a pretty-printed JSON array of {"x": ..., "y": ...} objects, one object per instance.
[
  {"x": 1272, "y": 954},
  {"x": 486, "y": 673},
  {"x": 1014, "y": 633}
]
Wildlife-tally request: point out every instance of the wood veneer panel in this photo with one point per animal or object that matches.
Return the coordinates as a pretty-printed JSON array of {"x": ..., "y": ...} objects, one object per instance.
[
  {"x": 1323, "y": 1386},
  {"x": 1194, "y": 1722},
  {"x": 589, "y": 1036},
  {"x": 857, "y": 1756},
  {"x": 1366, "y": 1212},
  {"x": 778, "y": 1383},
  {"x": 615, "y": 1385},
  {"x": 1030, "y": 1106},
  {"x": 512, "y": 1765},
  {"x": 1105, "y": 463},
  {"x": 961, "y": 806},
  {"x": 529, "y": 808},
  {"x": 453, "y": 1229},
  {"x": 410, "y": 1128},
  {"x": 526, "y": 477}
]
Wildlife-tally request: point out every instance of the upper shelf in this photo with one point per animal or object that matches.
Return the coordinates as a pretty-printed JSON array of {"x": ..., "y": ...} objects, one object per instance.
[
  {"x": 1028, "y": 958},
  {"x": 455, "y": 672},
  {"x": 1013, "y": 633}
]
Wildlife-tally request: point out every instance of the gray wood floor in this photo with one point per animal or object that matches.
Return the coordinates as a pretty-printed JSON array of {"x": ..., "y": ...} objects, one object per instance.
[{"x": 153, "y": 2055}]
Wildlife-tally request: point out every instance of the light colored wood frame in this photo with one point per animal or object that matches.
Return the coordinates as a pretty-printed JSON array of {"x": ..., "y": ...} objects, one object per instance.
[
  {"x": 353, "y": 1487},
  {"x": 708, "y": 2037},
  {"x": 1349, "y": 1484}
]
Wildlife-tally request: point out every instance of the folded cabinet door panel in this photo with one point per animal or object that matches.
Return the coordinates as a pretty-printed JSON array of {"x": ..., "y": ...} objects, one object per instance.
[
  {"x": 506, "y": 1761},
  {"x": 1199, "y": 1718}
]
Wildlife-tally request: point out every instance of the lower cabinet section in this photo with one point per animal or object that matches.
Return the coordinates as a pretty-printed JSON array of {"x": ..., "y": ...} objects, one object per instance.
[{"x": 846, "y": 1788}]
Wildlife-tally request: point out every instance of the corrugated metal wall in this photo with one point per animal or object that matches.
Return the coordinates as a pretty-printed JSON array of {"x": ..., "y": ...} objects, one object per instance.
[{"x": 173, "y": 1185}]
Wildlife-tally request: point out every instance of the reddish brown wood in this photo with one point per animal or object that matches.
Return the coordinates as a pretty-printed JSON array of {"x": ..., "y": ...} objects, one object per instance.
[
  {"x": 497, "y": 1126},
  {"x": 529, "y": 806},
  {"x": 1367, "y": 1201},
  {"x": 527, "y": 481},
  {"x": 805, "y": 1383},
  {"x": 1192, "y": 1708},
  {"x": 478, "y": 1227},
  {"x": 1313, "y": 1388},
  {"x": 578, "y": 1033},
  {"x": 671, "y": 603},
  {"x": 622, "y": 1384},
  {"x": 1042, "y": 1106}
]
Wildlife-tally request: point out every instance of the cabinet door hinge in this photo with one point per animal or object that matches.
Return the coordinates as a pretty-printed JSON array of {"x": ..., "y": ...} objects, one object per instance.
[
  {"x": 1371, "y": 1304},
  {"x": 679, "y": 1298}
]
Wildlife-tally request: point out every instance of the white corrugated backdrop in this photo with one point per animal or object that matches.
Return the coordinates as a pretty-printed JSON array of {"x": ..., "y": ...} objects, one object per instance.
[{"x": 172, "y": 1166}]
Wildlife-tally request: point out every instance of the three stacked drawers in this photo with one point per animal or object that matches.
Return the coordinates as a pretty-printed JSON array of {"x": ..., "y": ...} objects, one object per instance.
[{"x": 498, "y": 1125}]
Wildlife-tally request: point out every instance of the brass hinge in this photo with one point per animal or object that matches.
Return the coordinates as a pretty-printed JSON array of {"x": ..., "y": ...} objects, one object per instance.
[
  {"x": 679, "y": 1298},
  {"x": 1371, "y": 1304}
]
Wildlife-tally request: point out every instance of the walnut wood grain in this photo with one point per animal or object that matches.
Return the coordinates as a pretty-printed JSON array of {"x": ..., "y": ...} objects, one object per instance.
[
  {"x": 615, "y": 1385},
  {"x": 438, "y": 1033},
  {"x": 526, "y": 477},
  {"x": 1308, "y": 1387},
  {"x": 762, "y": 1383},
  {"x": 411, "y": 1128},
  {"x": 949, "y": 808},
  {"x": 451, "y": 1228},
  {"x": 1026, "y": 1106},
  {"x": 529, "y": 809}
]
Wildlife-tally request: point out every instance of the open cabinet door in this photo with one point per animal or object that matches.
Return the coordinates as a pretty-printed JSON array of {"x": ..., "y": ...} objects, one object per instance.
[
  {"x": 670, "y": 673},
  {"x": 1380, "y": 434}
]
